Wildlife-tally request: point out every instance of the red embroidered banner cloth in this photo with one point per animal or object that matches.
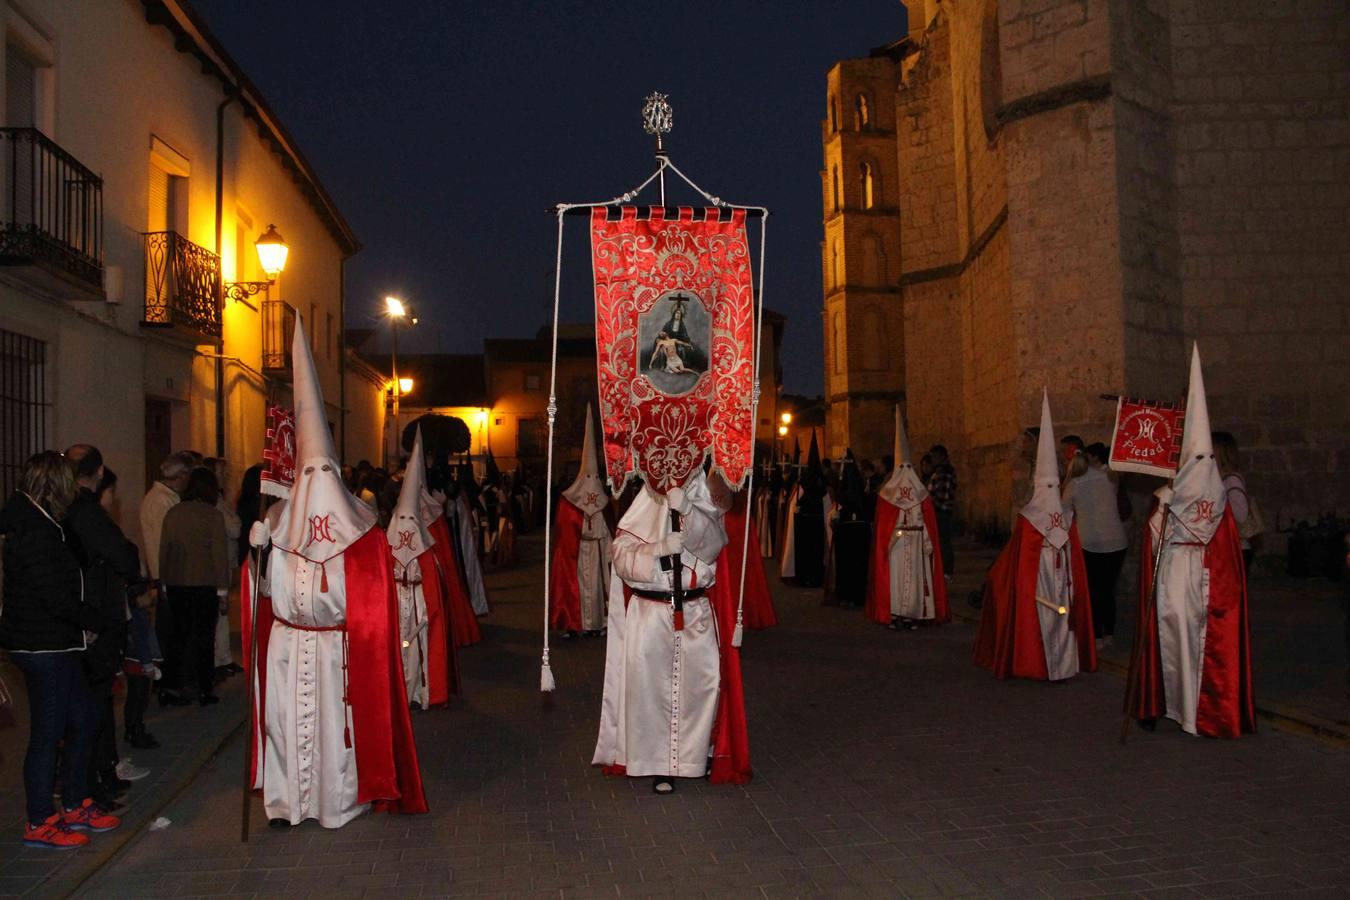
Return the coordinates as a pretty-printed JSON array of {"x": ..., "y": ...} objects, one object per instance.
[
  {"x": 674, "y": 332},
  {"x": 1147, "y": 437},
  {"x": 278, "y": 472}
]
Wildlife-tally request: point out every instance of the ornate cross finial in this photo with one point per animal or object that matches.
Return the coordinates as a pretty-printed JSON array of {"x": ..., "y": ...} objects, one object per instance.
[{"x": 657, "y": 117}]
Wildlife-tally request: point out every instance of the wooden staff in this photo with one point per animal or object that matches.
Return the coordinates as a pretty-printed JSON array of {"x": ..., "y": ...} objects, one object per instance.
[
  {"x": 1062, "y": 610},
  {"x": 250, "y": 667},
  {"x": 1149, "y": 613}
]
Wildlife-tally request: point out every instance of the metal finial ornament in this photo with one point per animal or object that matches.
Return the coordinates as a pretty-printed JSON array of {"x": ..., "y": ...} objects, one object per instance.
[{"x": 657, "y": 117}]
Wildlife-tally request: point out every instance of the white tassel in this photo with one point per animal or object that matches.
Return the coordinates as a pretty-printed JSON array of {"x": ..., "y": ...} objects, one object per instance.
[
  {"x": 737, "y": 635},
  {"x": 546, "y": 679}
]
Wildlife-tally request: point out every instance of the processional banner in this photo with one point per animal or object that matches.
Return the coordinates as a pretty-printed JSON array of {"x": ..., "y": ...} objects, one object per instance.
[
  {"x": 674, "y": 333},
  {"x": 278, "y": 472},
  {"x": 1147, "y": 437}
]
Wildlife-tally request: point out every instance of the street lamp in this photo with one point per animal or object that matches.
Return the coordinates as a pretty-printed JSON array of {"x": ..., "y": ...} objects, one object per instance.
[
  {"x": 272, "y": 251},
  {"x": 395, "y": 310},
  {"x": 786, "y": 419}
]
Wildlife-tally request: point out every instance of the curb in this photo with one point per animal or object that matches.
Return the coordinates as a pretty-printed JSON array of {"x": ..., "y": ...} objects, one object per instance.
[{"x": 68, "y": 883}]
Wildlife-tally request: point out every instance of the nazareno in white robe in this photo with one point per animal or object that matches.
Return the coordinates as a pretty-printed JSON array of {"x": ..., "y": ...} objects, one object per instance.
[
  {"x": 308, "y": 771},
  {"x": 593, "y": 569},
  {"x": 412, "y": 629},
  {"x": 468, "y": 544},
  {"x": 911, "y": 557},
  {"x": 661, "y": 685}
]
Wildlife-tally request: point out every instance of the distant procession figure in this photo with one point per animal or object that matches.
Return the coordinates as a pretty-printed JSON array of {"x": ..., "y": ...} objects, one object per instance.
[
  {"x": 906, "y": 584},
  {"x": 1036, "y": 618},
  {"x": 581, "y": 548},
  {"x": 807, "y": 528},
  {"x": 331, "y": 732},
  {"x": 1192, "y": 661}
]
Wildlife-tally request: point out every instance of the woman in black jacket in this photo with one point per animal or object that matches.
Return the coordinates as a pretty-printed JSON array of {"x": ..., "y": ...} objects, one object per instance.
[{"x": 43, "y": 626}]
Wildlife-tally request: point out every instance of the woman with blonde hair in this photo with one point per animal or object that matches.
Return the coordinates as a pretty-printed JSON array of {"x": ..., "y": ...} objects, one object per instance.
[
  {"x": 43, "y": 625},
  {"x": 1235, "y": 488}
]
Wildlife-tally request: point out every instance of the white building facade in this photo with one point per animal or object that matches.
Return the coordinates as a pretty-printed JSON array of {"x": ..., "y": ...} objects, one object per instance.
[{"x": 139, "y": 168}]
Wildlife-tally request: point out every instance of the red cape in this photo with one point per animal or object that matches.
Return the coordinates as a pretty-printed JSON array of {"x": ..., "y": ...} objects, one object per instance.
[
  {"x": 758, "y": 611},
  {"x": 878, "y": 606},
  {"x": 564, "y": 593},
  {"x": 386, "y": 754},
  {"x": 1227, "y": 706},
  {"x": 1009, "y": 640},
  {"x": 463, "y": 624},
  {"x": 442, "y": 669}
]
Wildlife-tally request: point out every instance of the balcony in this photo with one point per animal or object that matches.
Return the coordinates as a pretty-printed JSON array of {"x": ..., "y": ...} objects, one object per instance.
[
  {"x": 278, "y": 322},
  {"x": 182, "y": 286},
  {"x": 51, "y": 214}
]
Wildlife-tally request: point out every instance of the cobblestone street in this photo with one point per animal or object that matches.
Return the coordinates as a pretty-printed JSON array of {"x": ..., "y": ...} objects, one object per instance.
[{"x": 885, "y": 765}]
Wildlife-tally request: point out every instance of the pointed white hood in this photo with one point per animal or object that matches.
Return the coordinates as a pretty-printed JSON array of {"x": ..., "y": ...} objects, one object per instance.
[
  {"x": 1045, "y": 512},
  {"x": 587, "y": 493},
  {"x": 430, "y": 507},
  {"x": 321, "y": 519},
  {"x": 904, "y": 488},
  {"x": 1198, "y": 497},
  {"x": 407, "y": 532}
]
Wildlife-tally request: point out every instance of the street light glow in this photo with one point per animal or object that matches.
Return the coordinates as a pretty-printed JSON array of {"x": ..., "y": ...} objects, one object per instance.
[
  {"x": 405, "y": 385},
  {"x": 786, "y": 419},
  {"x": 782, "y": 431},
  {"x": 272, "y": 252},
  {"x": 394, "y": 307}
]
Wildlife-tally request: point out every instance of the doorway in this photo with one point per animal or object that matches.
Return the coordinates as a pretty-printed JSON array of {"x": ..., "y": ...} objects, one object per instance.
[{"x": 158, "y": 436}]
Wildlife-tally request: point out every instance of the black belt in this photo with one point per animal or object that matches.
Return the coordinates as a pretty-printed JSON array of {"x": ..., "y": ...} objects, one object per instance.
[{"x": 667, "y": 596}]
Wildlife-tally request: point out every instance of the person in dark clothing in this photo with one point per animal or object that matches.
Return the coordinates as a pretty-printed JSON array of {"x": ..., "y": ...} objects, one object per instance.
[
  {"x": 248, "y": 506},
  {"x": 194, "y": 566},
  {"x": 142, "y": 660},
  {"x": 852, "y": 536},
  {"x": 809, "y": 537},
  {"x": 110, "y": 562},
  {"x": 941, "y": 486},
  {"x": 43, "y": 625}
]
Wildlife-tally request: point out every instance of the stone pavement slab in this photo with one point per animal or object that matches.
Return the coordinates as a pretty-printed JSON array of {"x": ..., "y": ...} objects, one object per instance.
[{"x": 886, "y": 765}]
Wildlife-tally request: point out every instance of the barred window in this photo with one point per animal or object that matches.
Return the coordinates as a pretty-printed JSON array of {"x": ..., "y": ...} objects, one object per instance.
[{"x": 23, "y": 405}]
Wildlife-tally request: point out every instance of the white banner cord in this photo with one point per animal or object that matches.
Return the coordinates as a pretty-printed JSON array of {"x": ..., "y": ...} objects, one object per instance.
[{"x": 546, "y": 679}]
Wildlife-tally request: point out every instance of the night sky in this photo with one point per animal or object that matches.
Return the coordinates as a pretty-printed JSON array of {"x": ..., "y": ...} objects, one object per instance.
[{"x": 445, "y": 130}]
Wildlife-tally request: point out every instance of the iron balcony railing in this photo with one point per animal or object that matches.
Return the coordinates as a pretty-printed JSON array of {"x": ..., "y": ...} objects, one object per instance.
[
  {"x": 182, "y": 284},
  {"x": 52, "y": 208},
  {"x": 278, "y": 322}
]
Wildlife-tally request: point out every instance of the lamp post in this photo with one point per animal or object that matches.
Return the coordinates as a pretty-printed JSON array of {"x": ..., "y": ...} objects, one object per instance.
[{"x": 395, "y": 310}]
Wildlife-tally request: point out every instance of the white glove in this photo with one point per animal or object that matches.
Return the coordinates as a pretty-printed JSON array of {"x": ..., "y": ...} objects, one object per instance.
[
  {"x": 670, "y": 545},
  {"x": 677, "y": 500},
  {"x": 259, "y": 534}
]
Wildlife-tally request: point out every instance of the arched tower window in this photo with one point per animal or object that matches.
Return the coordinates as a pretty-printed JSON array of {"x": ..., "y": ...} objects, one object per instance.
[
  {"x": 873, "y": 339},
  {"x": 874, "y": 261},
  {"x": 834, "y": 113},
  {"x": 862, "y": 114},
  {"x": 866, "y": 182},
  {"x": 835, "y": 254},
  {"x": 836, "y": 188},
  {"x": 839, "y": 354}
]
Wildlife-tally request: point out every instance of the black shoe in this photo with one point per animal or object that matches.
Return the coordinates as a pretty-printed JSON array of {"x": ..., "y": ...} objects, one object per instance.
[
  {"x": 208, "y": 699},
  {"x": 1148, "y": 724},
  {"x": 141, "y": 739},
  {"x": 278, "y": 824},
  {"x": 663, "y": 785},
  {"x": 234, "y": 669},
  {"x": 169, "y": 698},
  {"x": 107, "y": 802}
]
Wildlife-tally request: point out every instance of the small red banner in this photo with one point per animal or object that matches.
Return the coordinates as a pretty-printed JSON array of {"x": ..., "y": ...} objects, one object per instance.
[
  {"x": 1147, "y": 437},
  {"x": 279, "y": 452},
  {"x": 674, "y": 332}
]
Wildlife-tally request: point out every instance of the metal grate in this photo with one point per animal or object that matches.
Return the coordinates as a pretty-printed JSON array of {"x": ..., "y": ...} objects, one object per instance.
[
  {"x": 23, "y": 405},
  {"x": 51, "y": 206}
]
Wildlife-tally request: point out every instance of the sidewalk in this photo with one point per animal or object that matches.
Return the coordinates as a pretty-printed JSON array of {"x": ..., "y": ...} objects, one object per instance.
[
  {"x": 189, "y": 736},
  {"x": 1298, "y": 644}
]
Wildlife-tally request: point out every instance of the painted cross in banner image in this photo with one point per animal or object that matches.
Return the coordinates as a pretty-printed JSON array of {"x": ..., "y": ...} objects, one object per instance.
[
  {"x": 674, "y": 334},
  {"x": 1147, "y": 437}
]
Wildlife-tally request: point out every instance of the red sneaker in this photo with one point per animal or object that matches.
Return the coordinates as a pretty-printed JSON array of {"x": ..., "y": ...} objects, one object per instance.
[
  {"x": 53, "y": 834},
  {"x": 89, "y": 816}
]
